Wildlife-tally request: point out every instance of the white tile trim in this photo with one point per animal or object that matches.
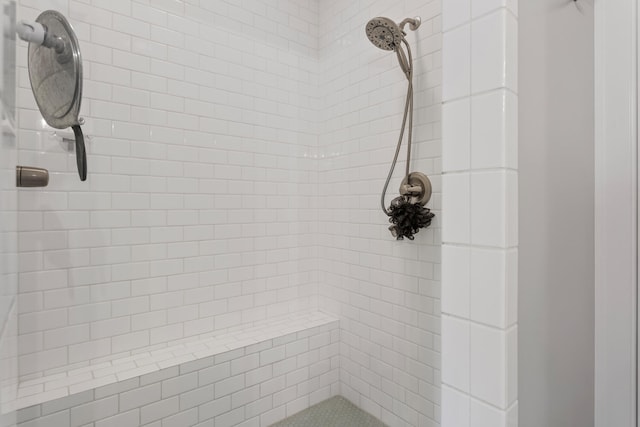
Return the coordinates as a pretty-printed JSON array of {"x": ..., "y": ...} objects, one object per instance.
[{"x": 501, "y": 397}]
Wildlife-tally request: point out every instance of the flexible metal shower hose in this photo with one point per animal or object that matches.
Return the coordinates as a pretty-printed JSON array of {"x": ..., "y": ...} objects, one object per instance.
[{"x": 406, "y": 63}]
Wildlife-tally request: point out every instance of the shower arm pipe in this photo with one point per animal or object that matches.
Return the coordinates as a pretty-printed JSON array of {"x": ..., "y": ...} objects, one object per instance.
[
  {"x": 35, "y": 32},
  {"x": 414, "y": 23}
]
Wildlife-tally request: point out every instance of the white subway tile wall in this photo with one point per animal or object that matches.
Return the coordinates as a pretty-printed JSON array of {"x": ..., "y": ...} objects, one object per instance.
[
  {"x": 237, "y": 152},
  {"x": 8, "y": 273},
  {"x": 387, "y": 292},
  {"x": 480, "y": 230},
  {"x": 199, "y": 212},
  {"x": 8, "y": 225}
]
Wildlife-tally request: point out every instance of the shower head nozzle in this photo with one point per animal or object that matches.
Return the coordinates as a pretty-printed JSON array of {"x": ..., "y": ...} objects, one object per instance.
[{"x": 384, "y": 33}]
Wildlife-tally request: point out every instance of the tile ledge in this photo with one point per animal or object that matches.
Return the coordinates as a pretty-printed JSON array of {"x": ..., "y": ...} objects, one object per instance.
[{"x": 67, "y": 383}]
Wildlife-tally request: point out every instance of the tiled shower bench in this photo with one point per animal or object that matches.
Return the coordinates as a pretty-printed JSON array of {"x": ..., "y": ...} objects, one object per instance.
[{"x": 252, "y": 377}]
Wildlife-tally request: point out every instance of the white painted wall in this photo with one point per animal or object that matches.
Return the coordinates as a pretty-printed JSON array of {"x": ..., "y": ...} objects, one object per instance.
[
  {"x": 616, "y": 212},
  {"x": 556, "y": 268}
]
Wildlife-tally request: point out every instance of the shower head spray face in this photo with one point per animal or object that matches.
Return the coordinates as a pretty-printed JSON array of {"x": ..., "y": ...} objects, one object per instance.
[{"x": 384, "y": 33}]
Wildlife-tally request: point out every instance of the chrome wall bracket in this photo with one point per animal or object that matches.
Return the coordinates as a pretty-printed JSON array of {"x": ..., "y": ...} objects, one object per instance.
[{"x": 417, "y": 187}]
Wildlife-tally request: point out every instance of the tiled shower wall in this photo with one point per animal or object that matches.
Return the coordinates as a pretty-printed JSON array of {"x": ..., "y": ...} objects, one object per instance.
[
  {"x": 236, "y": 158},
  {"x": 8, "y": 271},
  {"x": 8, "y": 274},
  {"x": 199, "y": 210},
  {"x": 386, "y": 292},
  {"x": 480, "y": 210},
  {"x": 8, "y": 222}
]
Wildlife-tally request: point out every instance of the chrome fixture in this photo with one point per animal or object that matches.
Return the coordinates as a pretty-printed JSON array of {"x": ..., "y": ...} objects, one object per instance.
[
  {"x": 417, "y": 186},
  {"x": 29, "y": 176},
  {"x": 407, "y": 212},
  {"x": 55, "y": 73},
  {"x": 414, "y": 23}
]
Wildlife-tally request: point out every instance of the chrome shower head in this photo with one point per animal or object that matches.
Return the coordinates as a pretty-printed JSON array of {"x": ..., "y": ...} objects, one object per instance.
[{"x": 384, "y": 33}]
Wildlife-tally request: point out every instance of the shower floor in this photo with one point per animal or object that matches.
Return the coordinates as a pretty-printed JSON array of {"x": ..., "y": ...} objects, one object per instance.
[{"x": 334, "y": 412}]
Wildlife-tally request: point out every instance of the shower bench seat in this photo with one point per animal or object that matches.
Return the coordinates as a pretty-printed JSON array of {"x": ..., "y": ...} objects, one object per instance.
[{"x": 253, "y": 377}]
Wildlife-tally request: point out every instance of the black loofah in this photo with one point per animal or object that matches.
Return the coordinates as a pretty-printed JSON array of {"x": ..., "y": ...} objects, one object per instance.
[{"x": 407, "y": 218}]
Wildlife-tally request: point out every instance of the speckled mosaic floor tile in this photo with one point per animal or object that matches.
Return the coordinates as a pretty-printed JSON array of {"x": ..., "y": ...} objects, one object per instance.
[{"x": 334, "y": 412}]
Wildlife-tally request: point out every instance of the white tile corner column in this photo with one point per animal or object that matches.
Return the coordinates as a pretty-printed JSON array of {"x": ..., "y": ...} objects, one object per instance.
[{"x": 479, "y": 225}]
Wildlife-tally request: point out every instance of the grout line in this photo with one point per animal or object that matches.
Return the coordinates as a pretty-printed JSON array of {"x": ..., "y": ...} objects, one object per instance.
[
  {"x": 506, "y": 329},
  {"x": 484, "y": 15}
]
